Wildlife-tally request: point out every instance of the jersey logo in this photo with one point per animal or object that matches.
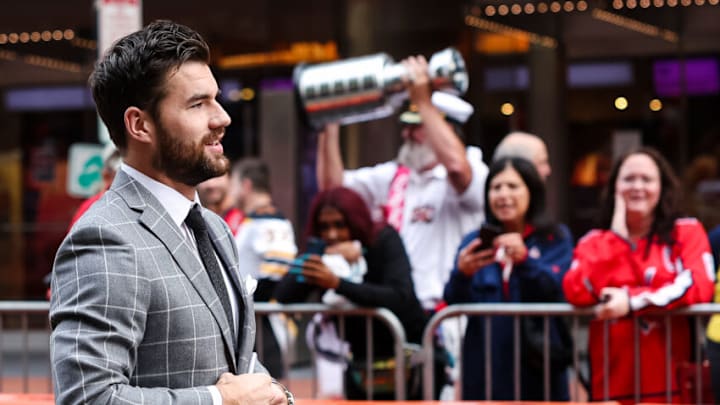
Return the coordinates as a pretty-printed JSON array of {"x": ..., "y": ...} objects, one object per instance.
[{"x": 423, "y": 213}]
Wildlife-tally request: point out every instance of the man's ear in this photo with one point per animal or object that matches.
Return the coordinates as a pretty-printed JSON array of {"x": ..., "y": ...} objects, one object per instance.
[{"x": 139, "y": 125}]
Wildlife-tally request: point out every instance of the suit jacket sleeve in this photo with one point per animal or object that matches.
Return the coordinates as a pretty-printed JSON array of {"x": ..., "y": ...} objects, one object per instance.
[{"x": 96, "y": 331}]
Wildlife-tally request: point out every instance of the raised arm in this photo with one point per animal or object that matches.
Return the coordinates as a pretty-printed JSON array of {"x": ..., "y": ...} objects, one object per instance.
[
  {"x": 329, "y": 167},
  {"x": 442, "y": 139}
]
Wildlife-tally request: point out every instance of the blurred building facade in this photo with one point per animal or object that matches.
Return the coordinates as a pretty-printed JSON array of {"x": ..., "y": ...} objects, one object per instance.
[{"x": 591, "y": 77}]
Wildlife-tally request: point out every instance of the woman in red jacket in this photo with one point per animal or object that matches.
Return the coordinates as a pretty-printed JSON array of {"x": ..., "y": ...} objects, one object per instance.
[{"x": 644, "y": 258}]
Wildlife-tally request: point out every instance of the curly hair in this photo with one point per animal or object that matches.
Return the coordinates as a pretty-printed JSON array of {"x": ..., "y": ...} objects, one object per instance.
[{"x": 135, "y": 69}]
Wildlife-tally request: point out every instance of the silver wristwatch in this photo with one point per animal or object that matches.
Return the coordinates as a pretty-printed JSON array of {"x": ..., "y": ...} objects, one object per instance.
[{"x": 290, "y": 397}]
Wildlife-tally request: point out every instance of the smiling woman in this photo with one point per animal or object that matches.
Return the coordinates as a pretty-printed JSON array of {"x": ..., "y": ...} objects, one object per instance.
[
  {"x": 645, "y": 257},
  {"x": 525, "y": 263}
]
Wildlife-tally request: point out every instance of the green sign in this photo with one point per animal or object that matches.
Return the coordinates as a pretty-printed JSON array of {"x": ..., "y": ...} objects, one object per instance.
[{"x": 84, "y": 169}]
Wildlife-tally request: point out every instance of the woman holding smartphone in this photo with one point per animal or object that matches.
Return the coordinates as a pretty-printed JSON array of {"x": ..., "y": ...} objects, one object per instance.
[
  {"x": 525, "y": 262},
  {"x": 644, "y": 258}
]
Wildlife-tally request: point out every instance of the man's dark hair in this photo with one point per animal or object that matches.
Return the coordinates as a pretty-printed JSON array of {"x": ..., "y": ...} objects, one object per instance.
[
  {"x": 254, "y": 170},
  {"x": 134, "y": 71}
]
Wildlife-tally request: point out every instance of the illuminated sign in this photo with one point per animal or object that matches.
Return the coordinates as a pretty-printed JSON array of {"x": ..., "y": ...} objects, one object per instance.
[{"x": 309, "y": 52}]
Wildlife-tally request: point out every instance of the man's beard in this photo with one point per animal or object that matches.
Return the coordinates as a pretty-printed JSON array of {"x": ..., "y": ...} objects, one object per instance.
[
  {"x": 416, "y": 156},
  {"x": 186, "y": 162}
]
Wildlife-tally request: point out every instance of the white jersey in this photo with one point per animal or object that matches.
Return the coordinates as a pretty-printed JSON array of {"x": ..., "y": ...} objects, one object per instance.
[
  {"x": 262, "y": 238},
  {"x": 435, "y": 216}
]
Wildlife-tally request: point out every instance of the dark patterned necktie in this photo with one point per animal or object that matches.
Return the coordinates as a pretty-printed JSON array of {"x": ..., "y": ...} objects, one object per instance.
[{"x": 196, "y": 222}]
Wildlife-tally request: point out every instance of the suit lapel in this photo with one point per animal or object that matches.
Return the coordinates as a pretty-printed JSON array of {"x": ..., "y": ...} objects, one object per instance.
[{"x": 158, "y": 221}]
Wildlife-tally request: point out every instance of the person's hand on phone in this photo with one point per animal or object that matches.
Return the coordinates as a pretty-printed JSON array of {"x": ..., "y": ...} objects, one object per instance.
[
  {"x": 317, "y": 273},
  {"x": 615, "y": 303},
  {"x": 514, "y": 245},
  {"x": 474, "y": 256}
]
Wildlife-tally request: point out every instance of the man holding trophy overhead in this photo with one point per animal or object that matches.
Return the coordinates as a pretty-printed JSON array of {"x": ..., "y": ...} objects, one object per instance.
[{"x": 432, "y": 193}]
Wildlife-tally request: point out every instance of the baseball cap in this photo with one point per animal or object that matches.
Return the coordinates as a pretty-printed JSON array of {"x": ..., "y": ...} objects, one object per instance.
[{"x": 452, "y": 107}]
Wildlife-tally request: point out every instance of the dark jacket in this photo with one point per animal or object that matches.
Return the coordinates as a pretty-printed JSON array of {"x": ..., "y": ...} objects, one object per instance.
[
  {"x": 387, "y": 284},
  {"x": 537, "y": 279}
]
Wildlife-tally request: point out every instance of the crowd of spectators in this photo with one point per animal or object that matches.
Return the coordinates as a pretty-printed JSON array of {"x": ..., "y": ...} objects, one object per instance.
[{"x": 437, "y": 227}]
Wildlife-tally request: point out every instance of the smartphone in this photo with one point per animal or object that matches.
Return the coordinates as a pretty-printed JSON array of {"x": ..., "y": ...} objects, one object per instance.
[
  {"x": 315, "y": 246},
  {"x": 487, "y": 234}
]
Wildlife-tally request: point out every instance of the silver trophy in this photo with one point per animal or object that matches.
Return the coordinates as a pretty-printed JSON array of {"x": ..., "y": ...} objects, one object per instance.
[{"x": 368, "y": 87}]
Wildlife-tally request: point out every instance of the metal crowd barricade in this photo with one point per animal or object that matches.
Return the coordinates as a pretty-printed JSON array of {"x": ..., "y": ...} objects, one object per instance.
[
  {"x": 16, "y": 331},
  {"x": 546, "y": 311},
  {"x": 383, "y": 314},
  {"x": 21, "y": 330}
]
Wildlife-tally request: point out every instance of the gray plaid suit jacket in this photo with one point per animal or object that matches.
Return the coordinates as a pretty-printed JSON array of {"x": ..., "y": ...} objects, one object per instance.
[{"x": 134, "y": 316}]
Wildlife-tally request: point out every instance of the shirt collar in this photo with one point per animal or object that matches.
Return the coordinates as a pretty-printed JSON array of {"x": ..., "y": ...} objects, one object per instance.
[{"x": 174, "y": 203}]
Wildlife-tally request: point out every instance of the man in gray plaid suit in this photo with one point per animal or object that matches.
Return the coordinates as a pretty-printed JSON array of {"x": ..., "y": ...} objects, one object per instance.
[{"x": 136, "y": 317}]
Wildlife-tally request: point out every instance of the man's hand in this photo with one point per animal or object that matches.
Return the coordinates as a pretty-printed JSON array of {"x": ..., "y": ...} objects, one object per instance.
[
  {"x": 249, "y": 389},
  {"x": 280, "y": 390},
  {"x": 418, "y": 84}
]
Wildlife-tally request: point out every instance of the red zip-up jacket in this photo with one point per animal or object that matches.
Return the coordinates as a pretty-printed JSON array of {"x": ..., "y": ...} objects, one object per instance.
[{"x": 662, "y": 277}]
